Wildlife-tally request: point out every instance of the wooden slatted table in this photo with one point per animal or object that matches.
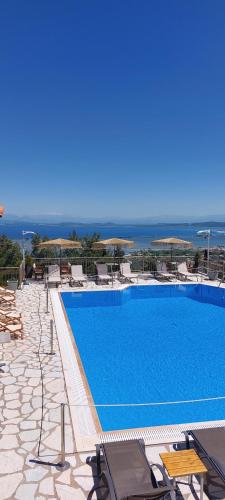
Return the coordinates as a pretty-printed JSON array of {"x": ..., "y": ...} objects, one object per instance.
[{"x": 184, "y": 463}]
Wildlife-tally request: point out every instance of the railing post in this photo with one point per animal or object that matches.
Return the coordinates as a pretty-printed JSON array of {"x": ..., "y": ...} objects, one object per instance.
[
  {"x": 47, "y": 311},
  {"x": 63, "y": 465},
  {"x": 51, "y": 338}
]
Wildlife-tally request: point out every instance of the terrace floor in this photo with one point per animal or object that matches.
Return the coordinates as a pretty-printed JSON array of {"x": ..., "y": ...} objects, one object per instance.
[{"x": 32, "y": 388}]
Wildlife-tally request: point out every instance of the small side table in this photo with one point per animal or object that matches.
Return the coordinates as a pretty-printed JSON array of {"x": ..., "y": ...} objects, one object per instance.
[{"x": 184, "y": 463}]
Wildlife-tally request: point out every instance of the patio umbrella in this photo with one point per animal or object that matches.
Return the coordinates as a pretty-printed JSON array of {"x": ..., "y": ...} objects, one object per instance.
[
  {"x": 172, "y": 243},
  {"x": 61, "y": 244},
  {"x": 112, "y": 242}
]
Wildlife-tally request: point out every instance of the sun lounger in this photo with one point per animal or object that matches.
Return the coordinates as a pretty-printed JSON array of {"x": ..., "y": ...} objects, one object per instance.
[
  {"x": 210, "y": 445},
  {"x": 16, "y": 330},
  {"x": 53, "y": 276},
  {"x": 7, "y": 309},
  {"x": 213, "y": 275},
  {"x": 7, "y": 290},
  {"x": 9, "y": 319},
  {"x": 102, "y": 273},
  {"x": 4, "y": 339},
  {"x": 7, "y": 306},
  {"x": 38, "y": 272},
  {"x": 77, "y": 275},
  {"x": 126, "y": 273},
  {"x": 65, "y": 269},
  {"x": 124, "y": 469},
  {"x": 183, "y": 272},
  {"x": 7, "y": 298},
  {"x": 162, "y": 271}
]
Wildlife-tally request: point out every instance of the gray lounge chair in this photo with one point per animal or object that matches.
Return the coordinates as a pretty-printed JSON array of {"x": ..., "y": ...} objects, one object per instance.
[
  {"x": 126, "y": 272},
  {"x": 53, "y": 276},
  {"x": 77, "y": 275},
  {"x": 102, "y": 273},
  {"x": 210, "y": 445},
  {"x": 126, "y": 473}
]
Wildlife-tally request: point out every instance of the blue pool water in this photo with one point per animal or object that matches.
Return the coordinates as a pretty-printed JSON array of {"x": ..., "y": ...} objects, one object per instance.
[{"x": 152, "y": 344}]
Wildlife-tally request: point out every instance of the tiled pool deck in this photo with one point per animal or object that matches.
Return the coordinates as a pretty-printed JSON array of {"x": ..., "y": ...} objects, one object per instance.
[{"x": 33, "y": 385}]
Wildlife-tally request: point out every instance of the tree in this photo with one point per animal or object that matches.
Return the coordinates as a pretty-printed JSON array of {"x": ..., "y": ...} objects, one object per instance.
[
  {"x": 41, "y": 253},
  {"x": 10, "y": 254},
  {"x": 74, "y": 236}
]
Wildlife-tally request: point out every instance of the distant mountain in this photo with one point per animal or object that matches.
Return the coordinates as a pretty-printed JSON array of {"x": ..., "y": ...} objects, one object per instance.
[{"x": 68, "y": 219}]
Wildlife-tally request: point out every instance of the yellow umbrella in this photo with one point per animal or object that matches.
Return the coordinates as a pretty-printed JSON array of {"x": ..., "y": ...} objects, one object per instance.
[
  {"x": 173, "y": 242},
  {"x": 60, "y": 243},
  {"x": 112, "y": 242}
]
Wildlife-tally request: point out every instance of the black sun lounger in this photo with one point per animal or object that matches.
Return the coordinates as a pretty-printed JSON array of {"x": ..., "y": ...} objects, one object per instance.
[
  {"x": 125, "y": 470},
  {"x": 210, "y": 445}
]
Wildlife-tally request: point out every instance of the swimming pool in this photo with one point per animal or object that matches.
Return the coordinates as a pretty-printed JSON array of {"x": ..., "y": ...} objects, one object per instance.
[{"x": 151, "y": 344}]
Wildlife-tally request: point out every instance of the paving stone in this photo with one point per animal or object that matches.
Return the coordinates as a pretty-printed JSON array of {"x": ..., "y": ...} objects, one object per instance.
[
  {"x": 34, "y": 382},
  {"x": 32, "y": 373},
  {"x": 67, "y": 493},
  {"x": 26, "y": 491},
  {"x": 85, "y": 483},
  {"x": 8, "y": 380},
  {"x": 55, "y": 386},
  {"x": 27, "y": 390},
  {"x": 35, "y": 474},
  {"x": 65, "y": 477},
  {"x": 28, "y": 424},
  {"x": 17, "y": 371},
  {"x": 10, "y": 429},
  {"x": 46, "y": 486},
  {"x": 8, "y": 485},
  {"x": 26, "y": 398},
  {"x": 11, "y": 389},
  {"x": 31, "y": 435},
  {"x": 36, "y": 415},
  {"x": 37, "y": 391},
  {"x": 8, "y": 441},
  {"x": 11, "y": 462},
  {"x": 26, "y": 408},
  {"x": 13, "y": 404},
  {"x": 11, "y": 397},
  {"x": 29, "y": 446},
  {"x": 9, "y": 414},
  {"x": 36, "y": 402}
]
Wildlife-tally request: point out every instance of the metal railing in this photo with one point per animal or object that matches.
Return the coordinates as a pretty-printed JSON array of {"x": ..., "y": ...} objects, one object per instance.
[
  {"x": 139, "y": 263},
  {"x": 9, "y": 274}
]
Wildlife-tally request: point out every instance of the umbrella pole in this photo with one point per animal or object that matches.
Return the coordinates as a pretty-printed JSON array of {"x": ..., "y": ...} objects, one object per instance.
[{"x": 171, "y": 253}]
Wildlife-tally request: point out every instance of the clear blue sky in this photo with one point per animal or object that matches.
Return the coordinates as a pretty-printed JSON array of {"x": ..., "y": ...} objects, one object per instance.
[{"x": 112, "y": 107}]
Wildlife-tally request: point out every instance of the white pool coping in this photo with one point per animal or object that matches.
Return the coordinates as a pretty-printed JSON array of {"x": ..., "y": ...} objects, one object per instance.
[{"x": 84, "y": 425}]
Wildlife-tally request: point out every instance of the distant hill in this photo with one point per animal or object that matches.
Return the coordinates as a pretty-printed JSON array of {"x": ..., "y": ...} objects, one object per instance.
[{"x": 215, "y": 220}]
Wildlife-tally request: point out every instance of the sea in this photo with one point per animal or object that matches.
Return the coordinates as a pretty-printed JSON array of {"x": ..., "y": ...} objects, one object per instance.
[{"x": 142, "y": 235}]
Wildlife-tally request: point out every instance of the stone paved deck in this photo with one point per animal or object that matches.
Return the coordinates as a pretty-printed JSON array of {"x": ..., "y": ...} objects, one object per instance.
[{"x": 33, "y": 386}]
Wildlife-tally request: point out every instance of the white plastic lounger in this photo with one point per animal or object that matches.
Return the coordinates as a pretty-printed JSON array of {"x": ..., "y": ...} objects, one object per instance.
[
  {"x": 183, "y": 272},
  {"x": 77, "y": 275},
  {"x": 102, "y": 273},
  {"x": 126, "y": 272},
  {"x": 53, "y": 276},
  {"x": 163, "y": 272}
]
